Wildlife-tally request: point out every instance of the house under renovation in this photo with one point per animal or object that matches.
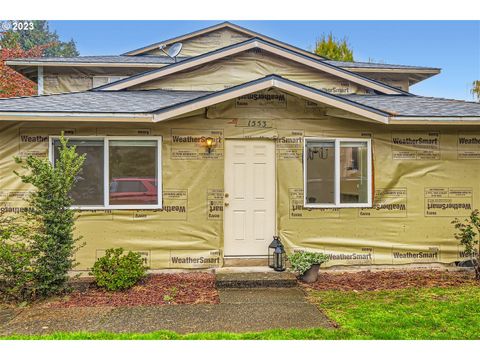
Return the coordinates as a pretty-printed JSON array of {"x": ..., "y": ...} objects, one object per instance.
[{"x": 198, "y": 154}]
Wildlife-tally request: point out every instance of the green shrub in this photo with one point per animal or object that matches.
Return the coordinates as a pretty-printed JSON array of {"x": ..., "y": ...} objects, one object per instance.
[
  {"x": 468, "y": 231},
  {"x": 303, "y": 260},
  {"x": 117, "y": 271},
  {"x": 37, "y": 248},
  {"x": 16, "y": 262}
]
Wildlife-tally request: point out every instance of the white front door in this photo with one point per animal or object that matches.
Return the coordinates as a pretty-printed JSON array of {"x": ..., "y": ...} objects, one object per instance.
[{"x": 249, "y": 212}]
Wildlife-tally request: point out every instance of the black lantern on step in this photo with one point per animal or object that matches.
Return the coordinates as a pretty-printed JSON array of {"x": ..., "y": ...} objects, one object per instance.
[
  {"x": 276, "y": 255},
  {"x": 271, "y": 250},
  {"x": 279, "y": 258}
]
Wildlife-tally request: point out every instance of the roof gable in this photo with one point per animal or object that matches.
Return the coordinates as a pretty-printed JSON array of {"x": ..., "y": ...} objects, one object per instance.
[
  {"x": 247, "y": 66},
  {"x": 202, "y": 43},
  {"x": 246, "y": 33},
  {"x": 254, "y": 43},
  {"x": 265, "y": 83}
]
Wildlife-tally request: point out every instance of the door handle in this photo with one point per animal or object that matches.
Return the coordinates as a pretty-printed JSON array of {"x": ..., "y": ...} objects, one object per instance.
[{"x": 226, "y": 204}]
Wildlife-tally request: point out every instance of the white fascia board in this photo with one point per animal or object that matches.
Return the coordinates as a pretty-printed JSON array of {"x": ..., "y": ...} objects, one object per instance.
[
  {"x": 85, "y": 64},
  {"x": 87, "y": 117},
  {"x": 391, "y": 70},
  {"x": 328, "y": 69},
  {"x": 267, "y": 83},
  {"x": 184, "y": 65},
  {"x": 358, "y": 110},
  {"x": 212, "y": 100},
  {"x": 436, "y": 120}
]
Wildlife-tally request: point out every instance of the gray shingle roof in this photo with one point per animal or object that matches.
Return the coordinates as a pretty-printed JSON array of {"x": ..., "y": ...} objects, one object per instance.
[
  {"x": 417, "y": 105},
  {"x": 147, "y": 101},
  {"x": 142, "y": 101},
  {"x": 108, "y": 59},
  {"x": 367, "y": 65},
  {"x": 150, "y": 59}
]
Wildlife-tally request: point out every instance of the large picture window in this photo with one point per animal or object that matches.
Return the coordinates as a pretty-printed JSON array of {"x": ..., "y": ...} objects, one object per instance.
[
  {"x": 118, "y": 172},
  {"x": 337, "y": 173}
]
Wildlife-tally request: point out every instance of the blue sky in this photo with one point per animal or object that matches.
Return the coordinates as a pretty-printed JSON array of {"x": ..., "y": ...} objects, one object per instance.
[{"x": 453, "y": 46}]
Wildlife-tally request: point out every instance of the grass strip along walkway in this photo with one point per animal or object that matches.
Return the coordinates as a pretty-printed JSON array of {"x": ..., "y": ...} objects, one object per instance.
[{"x": 411, "y": 313}]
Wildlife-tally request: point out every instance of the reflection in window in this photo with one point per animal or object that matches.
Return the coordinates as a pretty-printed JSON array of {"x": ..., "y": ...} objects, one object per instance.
[
  {"x": 337, "y": 172},
  {"x": 88, "y": 188},
  {"x": 353, "y": 172},
  {"x": 133, "y": 172},
  {"x": 320, "y": 172}
]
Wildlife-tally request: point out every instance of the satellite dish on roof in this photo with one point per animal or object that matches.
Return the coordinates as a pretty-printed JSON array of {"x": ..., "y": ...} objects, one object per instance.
[{"x": 172, "y": 51}]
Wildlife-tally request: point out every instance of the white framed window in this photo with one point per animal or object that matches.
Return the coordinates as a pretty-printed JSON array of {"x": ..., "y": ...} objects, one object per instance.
[
  {"x": 337, "y": 172},
  {"x": 119, "y": 172},
  {"x": 104, "y": 80}
]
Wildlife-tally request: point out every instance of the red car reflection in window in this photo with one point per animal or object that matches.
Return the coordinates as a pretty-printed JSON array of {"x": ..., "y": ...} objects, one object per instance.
[{"x": 133, "y": 191}]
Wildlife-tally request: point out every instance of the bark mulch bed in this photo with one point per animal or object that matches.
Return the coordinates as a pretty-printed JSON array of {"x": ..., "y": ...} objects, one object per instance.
[
  {"x": 390, "y": 280},
  {"x": 161, "y": 289}
]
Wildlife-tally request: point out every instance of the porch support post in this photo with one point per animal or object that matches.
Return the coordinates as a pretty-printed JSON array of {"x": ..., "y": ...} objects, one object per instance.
[{"x": 40, "y": 80}]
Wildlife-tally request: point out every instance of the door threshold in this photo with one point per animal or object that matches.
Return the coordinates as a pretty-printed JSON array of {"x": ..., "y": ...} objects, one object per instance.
[
  {"x": 230, "y": 261},
  {"x": 245, "y": 256}
]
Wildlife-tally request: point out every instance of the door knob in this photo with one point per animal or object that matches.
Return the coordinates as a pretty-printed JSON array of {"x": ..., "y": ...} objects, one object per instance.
[{"x": 226, "y": 204}]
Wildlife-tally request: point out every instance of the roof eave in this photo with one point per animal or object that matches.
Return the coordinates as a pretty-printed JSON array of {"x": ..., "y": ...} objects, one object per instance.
[
  {"x": 18, "y": 63},
  {"x": 77, "y": 116},
  {"x": 13, "y": 64},
  {"x": 410, "y": 70},
  {"x": 434, "y": 120}
]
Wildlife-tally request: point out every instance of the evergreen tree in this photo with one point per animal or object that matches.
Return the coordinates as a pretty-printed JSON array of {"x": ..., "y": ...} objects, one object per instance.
[
  {"x": 476, "y": 89},
  {"x": 39, "y": 35},
  {"x": 333, "y": 49}
]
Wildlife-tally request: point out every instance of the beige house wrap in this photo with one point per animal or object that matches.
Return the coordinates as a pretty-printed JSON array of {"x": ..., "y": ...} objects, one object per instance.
[{"x": 424, "y": 171}]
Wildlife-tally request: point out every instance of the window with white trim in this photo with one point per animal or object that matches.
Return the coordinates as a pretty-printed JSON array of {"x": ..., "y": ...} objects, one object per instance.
[
  {"x": 337, "y": 172},
  {"x": 118, "y": 172},
  {"x": 104, "y": 80}
]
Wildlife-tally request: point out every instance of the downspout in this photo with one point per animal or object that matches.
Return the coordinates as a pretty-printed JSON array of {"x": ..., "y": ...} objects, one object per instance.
[{"x": 40, "y": 80}]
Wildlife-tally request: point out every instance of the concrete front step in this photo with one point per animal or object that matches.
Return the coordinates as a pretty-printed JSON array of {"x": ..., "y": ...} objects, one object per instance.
[
  {"x": 244, "y": 262},
  {"x": 266, "y": 279}
]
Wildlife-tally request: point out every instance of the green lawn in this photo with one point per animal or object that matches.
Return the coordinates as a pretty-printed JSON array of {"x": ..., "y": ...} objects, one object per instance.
[{"x": 435, "y": 313}]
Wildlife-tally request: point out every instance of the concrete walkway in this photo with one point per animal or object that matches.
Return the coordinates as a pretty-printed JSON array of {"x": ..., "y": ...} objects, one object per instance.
[{"x": 240, "y": 310}]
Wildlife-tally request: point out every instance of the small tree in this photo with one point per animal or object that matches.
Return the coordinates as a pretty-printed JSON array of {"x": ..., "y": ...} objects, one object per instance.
[
  {"x": 468, "y": 231},
  {"x": 44, "y": 243},
  {"x": 13, "y": 83},
  {"x": 332, "y": 48},
  {"x": 476, "y": 89}
]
